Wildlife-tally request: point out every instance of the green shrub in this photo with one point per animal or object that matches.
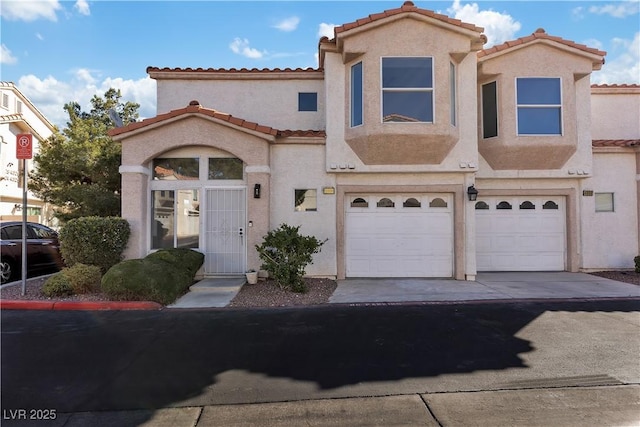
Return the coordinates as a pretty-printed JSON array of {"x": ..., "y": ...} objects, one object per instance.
[
  {"x": 185, "y": 258},
  {"x": 161, "y": 277},
  {"x": 94, "y": 241},
  {"x": 83, "y": 278},
  {"x": 285, "y": 253},
  {"x": 637, "y": 261},
  {"x": 57, "y": 286}
]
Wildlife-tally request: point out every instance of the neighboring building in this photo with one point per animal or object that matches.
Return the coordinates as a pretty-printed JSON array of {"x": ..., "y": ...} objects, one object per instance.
[
  {"x": 17, "y": 116},
  {"x": 378, "y": 148}
]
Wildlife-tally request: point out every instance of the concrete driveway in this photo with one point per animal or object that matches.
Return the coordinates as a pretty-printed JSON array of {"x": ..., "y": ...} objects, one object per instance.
[{"x": 487, "y": 286}]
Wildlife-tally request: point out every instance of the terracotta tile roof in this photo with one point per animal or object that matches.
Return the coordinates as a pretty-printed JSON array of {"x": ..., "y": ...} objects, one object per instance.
[
  {"x": 302, "y": 133},
  {"x": 406, "y": 7},
  {"x": 539, "y": 34},
  {"x": 231, "y": 70},
  {"x": 615, "y": 143},
  {"x": 194, "y": 107},
  {"x": 615, "y": 86}
]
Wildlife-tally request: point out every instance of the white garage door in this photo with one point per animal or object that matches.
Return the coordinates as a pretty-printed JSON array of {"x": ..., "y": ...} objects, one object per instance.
[
  {"x": 399, "y": 235},
  {"x": 520, "y": 234}
]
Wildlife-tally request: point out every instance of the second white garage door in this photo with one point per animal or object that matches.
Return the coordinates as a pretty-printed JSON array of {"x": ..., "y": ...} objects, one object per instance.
[
  {"x": 399, "y": 235},
  {"x": 520, "y": 234}
]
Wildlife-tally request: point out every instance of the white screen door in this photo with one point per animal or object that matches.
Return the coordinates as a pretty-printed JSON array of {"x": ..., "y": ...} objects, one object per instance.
[{"x": 225, "y": 234}]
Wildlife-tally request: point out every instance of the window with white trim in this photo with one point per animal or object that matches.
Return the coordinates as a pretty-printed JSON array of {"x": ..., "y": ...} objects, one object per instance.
[
  {"x": 175, "y": 218},
  {"x": 452, "y": 90},
  {"x": 539, "y": 105},
  {"x": 356, "y": 95},
  {"x": 5, "y": 100},
  {"x": 489, "y": 110},
  {"x": 306, "y": 200},
  {"x": 407, "y": 89},
  {"x": 604, "y": 202}
]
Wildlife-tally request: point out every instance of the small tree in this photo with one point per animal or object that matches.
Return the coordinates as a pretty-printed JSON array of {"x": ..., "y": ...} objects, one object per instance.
[
  {"x": 285, "y": 253},
  {"x": 77, "y": 168}
]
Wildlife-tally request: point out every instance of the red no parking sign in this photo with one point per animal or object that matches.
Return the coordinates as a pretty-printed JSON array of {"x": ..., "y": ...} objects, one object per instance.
[{"x": 24, "y": 146}]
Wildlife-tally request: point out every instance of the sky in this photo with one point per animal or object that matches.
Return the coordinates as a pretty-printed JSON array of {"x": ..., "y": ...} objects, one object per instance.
[{"x": 62, "y": 51}]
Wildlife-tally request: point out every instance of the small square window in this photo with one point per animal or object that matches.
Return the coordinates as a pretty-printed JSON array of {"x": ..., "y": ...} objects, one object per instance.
[
  {"x": 306, "y": 200},
  {"x": 604, "y": 202},
  {"x": 307, "y": 101}
]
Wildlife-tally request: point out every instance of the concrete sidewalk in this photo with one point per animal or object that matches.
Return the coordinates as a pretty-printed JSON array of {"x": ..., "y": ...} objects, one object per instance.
[{"x": 605, "y": 405}]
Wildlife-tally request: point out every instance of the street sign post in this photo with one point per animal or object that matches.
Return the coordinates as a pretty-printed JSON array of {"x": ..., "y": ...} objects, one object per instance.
[{"x": 24, "y": 152}]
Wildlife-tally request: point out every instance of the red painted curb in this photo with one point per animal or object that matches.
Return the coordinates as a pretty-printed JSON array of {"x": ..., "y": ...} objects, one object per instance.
[
  {"x": 25, "y": 305},
  {"x": 78, "y": 305}
]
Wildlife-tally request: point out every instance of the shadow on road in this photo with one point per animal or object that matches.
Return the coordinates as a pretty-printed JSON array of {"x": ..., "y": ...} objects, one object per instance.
[{"x": 81, "y": 361}]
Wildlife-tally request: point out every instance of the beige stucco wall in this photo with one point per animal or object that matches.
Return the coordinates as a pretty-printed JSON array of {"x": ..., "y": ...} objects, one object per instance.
[
  {"x": 616, "y": 113},
  {"x": 437, "y": 146},
  {"x": 510, "y": 155},
  {"x": 266, "y": 102},
  {"x": 192, "y": 136},
  {"x": 302, "y": 167},
  {"x": 610, "y": 239}
]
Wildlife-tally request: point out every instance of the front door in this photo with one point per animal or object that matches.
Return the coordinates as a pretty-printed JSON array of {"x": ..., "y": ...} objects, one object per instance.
[{"x": 224, "y": 233}]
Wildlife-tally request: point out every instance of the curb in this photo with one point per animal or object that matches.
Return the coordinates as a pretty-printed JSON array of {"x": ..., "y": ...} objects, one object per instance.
[{"x": 78, "y": 305}]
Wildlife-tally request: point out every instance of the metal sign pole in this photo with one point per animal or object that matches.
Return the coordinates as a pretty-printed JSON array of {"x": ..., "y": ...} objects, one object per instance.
[
  {"x": 24, "y": 227},
  {"x": 24, "y": 151}
]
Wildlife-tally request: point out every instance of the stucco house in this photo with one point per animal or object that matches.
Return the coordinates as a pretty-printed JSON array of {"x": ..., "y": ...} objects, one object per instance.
[
  {"x": 382, "y": 148},
  {"x": 17, "y": 116}
]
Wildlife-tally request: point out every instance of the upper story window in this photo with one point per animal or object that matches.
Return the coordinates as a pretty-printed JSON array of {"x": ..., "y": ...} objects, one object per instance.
[
  {"x": 452, "y": 90},
  {"x": 307, "y": 101},
  {"x": 19, "y": 107},
  {"x": 407, "y": 89},
  {"x": 489, "y": 110},
  {"x": 539, "y": 104},
  {"x": 5, "y": 100},
  {"x": 356, "y": 94}
]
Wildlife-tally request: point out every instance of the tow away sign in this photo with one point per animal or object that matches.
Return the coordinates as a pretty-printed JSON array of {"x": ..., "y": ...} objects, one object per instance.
[{"x": 24, "y": 146}]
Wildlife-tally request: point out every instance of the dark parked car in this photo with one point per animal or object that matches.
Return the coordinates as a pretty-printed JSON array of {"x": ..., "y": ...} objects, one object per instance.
[{"x": 43, "y": 250}]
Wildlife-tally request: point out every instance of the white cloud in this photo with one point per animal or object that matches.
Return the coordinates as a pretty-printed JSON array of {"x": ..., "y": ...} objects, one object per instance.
[
  {"x": 617, "y": 10},
  {"x": 595, "y": 43},
  {"x": 39, "y": 36},
  {"x": 82, "y": 7},
  {"x": 624, "y": 67},
  {"x": 326, "y": 30},
  {"x": 6, "y": 57},
  {"x": 241, "y": 47},
  {"x": 30, "y": 10},
  {"x": 289, "y": 24},
  {"x": 49, "y": 94},
  {"x": 498, "y": 27},
  {"x": 577, "y": 13}
]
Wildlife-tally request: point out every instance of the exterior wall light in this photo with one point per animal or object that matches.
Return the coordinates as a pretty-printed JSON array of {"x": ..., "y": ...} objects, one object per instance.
[{"x": 472, "y": 193}]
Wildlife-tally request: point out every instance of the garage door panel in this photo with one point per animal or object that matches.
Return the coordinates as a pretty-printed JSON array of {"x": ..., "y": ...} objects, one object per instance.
[
  {"x": 399, "y": 241},
  {"x": 521, "y": 239}
]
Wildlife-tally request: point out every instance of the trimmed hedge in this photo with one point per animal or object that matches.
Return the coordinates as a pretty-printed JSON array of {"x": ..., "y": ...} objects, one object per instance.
[
  {"x": 57, "y": 286},
  {"x": 94, "y": 240},
  {"x": 78, "y": 279},
  {"x": 162, "y": 276}
]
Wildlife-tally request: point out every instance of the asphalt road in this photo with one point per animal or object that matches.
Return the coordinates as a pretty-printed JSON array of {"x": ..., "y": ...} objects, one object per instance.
[{"x": 105, "y": 361}]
